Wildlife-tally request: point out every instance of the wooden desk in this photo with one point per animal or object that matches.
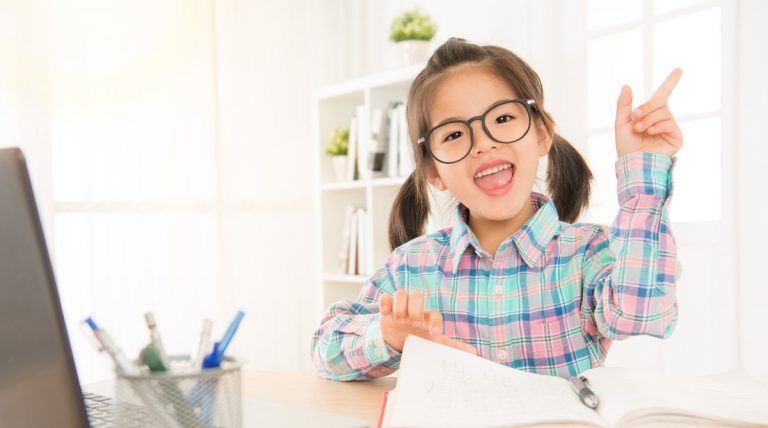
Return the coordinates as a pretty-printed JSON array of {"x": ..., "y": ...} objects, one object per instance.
[{"x": 357, "y": 399}]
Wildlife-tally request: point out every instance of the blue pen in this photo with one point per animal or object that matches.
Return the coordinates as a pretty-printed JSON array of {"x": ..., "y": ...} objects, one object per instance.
[{"x": 214, "y": 359}]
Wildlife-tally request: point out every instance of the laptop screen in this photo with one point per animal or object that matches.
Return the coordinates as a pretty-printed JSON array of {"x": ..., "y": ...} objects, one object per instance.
[{"x": 38, "y": 381}]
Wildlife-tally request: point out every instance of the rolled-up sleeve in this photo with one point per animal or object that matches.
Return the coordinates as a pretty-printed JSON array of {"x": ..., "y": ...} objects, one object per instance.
[
  {"x": 630, "y": 271},
  {"x": 349, "y": 344}
]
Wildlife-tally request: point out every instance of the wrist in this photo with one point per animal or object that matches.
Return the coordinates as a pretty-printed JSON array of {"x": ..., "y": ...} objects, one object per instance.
[{"x": 390, "y": 339}]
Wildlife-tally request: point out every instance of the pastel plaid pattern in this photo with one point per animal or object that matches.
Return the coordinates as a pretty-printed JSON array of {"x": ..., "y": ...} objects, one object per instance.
[{"x": 550, "y": 302}]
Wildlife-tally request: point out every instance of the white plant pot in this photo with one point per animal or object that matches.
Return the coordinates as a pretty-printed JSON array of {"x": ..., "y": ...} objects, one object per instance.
[
  {"x": 411, "y": 52},
  {"x": 340, "y": 167}
]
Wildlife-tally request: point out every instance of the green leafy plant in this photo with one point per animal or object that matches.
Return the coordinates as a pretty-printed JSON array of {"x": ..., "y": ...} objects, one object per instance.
[
  {"x": 339, "y": 144},
  {"x": 412, "y": 25}
]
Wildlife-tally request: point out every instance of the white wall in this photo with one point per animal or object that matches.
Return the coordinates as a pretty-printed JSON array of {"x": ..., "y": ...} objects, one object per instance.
[
  {"x": 269, "y": 57},
  {"x": 752, "y": 177},
  {"x": 169, "y": 145}
]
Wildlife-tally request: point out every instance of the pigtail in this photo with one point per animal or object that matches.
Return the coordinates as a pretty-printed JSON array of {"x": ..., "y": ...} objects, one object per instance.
[
  {"x": 409, "y": 211},
  {"x": 568, "y": 179}
]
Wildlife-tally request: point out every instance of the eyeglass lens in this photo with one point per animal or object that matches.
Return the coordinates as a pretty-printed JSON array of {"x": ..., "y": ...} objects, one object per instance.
[{"x": 506, "y": 123}]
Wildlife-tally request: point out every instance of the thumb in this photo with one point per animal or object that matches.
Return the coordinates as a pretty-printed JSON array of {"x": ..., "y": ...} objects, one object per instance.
[{"x": 624, "y": 106}]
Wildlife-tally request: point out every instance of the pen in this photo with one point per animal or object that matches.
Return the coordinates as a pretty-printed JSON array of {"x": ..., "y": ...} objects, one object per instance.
[
  {"x": 580, "y": 384},
  {"x": 121, "y": 361},
  {"x": 214, "y": 358},
  {"x": 205, "y": 337},
  {"x": 157, "y": 343},
  {"x": 125, "y": 367}
]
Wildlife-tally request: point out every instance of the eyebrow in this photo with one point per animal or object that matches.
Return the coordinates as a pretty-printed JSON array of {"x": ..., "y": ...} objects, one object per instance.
[{"x": 448, "y": 119}]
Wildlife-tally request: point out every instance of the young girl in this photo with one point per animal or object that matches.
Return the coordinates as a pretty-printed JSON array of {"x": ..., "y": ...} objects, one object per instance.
[{"x": 513, "y": 281}]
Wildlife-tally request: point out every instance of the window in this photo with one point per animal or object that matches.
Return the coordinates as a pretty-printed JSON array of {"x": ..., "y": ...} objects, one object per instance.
[{"x": 639, "y": 43}]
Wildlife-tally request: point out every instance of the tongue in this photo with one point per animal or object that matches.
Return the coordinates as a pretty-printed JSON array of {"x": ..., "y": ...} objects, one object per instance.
[{"x": 495, "y": 180}]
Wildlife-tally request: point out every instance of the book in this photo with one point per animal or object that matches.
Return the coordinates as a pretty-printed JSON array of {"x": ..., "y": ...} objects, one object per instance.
[
  {"x": 352, "y": 150},
  {"x": 362, "y": 268},
  {"x": 440, "y": 386},
  {"x": 378, "y": 147},
  {"x": 407, "y": 162},
  {"x": 363, "y": 142},
  {"x": 393, "y": 142},
  {"x": 344, "y": 247},
  {"x": 352, "y": 259}
]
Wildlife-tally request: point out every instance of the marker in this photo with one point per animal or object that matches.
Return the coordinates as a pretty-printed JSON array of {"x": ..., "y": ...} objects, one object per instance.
[
  {"x": 121, "y": 361},
  {"x": 214, "y": 358},
  {"x": 157, "y": 343},
  {"x": 126, "y": 367},
  {"x": 205, "y": 337}
]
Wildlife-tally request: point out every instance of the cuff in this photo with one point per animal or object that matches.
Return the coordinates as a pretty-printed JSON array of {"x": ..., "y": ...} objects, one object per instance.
[
  {"x": 376, "y": 350},
  {"x": 644, "y": 173}
]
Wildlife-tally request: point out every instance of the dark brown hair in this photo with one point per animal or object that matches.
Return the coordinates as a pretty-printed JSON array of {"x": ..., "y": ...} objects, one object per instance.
[{"x": 568, "y": 176}]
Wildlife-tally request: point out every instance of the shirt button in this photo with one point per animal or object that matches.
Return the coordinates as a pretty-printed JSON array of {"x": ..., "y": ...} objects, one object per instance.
[
  {"x": 498, "y": 290},
  {"x": 502, "y": 355}
]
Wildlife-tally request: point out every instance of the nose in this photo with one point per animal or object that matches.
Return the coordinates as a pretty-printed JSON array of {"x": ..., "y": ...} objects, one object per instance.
[{"x": 483, "y": 142}]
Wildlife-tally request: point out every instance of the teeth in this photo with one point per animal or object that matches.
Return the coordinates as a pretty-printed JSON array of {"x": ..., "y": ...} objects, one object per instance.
[{"x": 492, "y": 170}]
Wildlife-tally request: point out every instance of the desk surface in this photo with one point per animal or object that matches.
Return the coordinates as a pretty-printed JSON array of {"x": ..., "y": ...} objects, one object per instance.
[
  {"x": 360, "y": 400},
  {"x": 357, "y": 399}
]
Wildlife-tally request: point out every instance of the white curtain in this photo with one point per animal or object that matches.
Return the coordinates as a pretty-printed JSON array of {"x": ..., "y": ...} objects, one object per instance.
[{"x": 170, "y": 149}]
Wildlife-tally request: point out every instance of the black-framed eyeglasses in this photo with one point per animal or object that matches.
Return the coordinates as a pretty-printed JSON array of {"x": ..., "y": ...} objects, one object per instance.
[{"x": 452, "y": 140}]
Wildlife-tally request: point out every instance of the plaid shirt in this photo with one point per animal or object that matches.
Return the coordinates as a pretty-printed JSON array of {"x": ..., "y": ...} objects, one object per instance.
[{"x": 551, "y": 301}]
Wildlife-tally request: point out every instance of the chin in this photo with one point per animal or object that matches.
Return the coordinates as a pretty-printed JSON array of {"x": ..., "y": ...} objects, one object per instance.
[{"x": 501, "y": 209}]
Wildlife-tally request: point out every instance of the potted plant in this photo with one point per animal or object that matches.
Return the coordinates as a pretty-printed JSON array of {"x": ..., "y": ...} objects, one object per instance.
[
  {"x": 338, "y": 148},
  {"x": 411, "y": 33}
]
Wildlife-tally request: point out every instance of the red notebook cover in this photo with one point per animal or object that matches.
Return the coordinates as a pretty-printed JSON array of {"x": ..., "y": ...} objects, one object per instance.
[{"x": 383, "y": 407}]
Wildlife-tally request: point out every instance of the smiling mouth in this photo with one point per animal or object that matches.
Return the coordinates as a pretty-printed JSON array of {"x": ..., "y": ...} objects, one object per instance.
[
  {"x": 493, "y": 170},
  {"x": 496, "y": 179}
]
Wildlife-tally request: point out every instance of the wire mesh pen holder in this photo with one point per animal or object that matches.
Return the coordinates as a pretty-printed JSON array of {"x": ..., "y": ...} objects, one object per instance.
[{"x": 193, "y": 399}]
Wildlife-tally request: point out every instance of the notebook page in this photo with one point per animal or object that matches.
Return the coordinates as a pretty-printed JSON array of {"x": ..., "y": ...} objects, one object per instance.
[
  {"x": 442, "y": 386},
  {"x": 625, "y": 391}
]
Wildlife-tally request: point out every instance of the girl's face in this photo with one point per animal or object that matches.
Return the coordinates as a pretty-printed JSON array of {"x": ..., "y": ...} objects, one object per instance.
[{"x": 468, "y": 91}]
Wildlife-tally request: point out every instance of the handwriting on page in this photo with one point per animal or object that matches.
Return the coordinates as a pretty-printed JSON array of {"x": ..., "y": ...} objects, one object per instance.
[
  {"x": 475, "y": 392},
  {"x": 487, "y": 395}
]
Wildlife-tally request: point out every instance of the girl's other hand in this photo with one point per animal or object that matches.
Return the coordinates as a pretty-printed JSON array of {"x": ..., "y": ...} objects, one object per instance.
[
  {"x": 651, "y": 126},
  {"x": 404, "y": 315}
]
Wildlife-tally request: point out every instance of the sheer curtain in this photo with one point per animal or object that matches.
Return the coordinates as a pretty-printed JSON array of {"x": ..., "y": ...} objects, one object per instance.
[{"x": 169, "y": 148}]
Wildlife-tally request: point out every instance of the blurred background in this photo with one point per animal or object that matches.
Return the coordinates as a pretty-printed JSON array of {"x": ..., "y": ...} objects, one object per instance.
[{"x": 176, "y": 150}]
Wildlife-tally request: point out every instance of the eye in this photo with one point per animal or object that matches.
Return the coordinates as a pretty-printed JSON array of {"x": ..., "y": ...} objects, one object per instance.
[
  {"x": 504, "y": 118},
  {"x": 453, "y": 135}
]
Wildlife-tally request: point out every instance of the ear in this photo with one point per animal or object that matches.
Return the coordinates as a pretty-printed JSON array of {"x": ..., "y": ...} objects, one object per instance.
[
  {"x": 434, "y": 178},
  {"x": 545, "y": 138}
]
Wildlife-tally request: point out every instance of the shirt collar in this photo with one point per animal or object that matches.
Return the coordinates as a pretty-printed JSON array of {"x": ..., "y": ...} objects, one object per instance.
[{"x": 530, "y": 240}]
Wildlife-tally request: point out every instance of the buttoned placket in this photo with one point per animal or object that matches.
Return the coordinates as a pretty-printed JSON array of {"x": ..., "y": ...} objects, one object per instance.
[{"x": 501, "y": 354}]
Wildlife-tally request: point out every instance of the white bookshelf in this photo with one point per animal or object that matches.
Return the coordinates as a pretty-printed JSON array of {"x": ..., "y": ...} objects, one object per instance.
[{"x": 333, "y": 107}]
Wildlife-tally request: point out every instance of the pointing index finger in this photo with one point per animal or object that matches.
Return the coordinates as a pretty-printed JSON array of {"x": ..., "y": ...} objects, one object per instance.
[{"x": 665, "y": 90}]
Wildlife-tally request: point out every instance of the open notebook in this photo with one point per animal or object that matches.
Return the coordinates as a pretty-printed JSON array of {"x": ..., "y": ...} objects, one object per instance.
[{"x": 440, "y": 386}]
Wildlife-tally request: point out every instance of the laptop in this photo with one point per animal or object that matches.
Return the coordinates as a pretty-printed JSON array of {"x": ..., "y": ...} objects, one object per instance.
[{"x": 38, "y": 380}]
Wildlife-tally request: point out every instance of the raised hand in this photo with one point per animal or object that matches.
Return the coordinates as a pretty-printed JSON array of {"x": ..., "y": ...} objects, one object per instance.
[
  {"x": 651, "y": 126},
  {"x": 404, "y": 315}
]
